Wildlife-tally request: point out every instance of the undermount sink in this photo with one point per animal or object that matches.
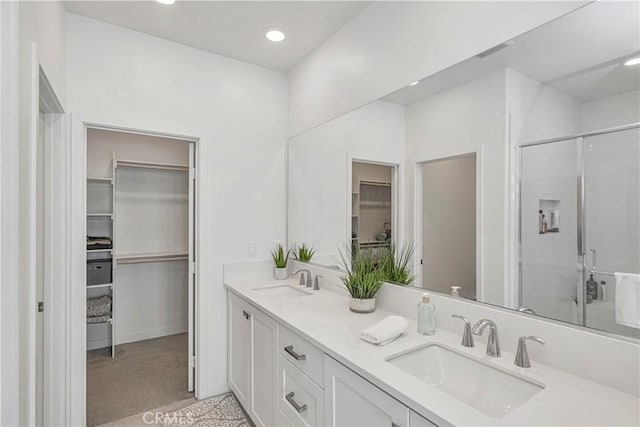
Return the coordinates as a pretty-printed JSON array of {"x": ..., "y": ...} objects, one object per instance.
[
  {"x": 491, "y": 391},
  {"x": 282, "y": 291}
]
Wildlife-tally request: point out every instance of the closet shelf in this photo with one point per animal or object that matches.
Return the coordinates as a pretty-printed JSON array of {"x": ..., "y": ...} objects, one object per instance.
[
  {"x": 149, "y": 165},
  {"x": 93, "y": 251},
  {"x": 103, "y": 285},
  {"x": 146, "y": 258},
  {"x": 99, "y": 215},
  {"x": 100, "y": 180}
]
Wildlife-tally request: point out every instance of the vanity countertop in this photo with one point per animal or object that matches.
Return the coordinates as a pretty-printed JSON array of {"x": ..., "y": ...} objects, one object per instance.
[{"x": 325, "y": 320}]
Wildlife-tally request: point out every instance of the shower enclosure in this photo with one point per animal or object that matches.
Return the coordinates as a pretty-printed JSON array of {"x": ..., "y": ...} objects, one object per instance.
[{"x": 579, "y": 222}]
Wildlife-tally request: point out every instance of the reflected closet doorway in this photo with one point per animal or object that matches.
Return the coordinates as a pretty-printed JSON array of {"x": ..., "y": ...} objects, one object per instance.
[
  {"x": 140, "y": 227},
  {"x": 372, "y": 207}
]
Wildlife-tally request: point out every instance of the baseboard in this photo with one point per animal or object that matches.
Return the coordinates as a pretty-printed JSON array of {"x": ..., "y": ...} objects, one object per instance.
[{"x": 151, "y": 333}]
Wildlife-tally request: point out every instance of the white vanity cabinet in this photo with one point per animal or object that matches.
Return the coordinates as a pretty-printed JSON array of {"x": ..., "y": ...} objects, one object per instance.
[
  {"x": 282, "y": 379},
  {"x": 350, "y": 400},
  {"x": 252, "y": 360}
]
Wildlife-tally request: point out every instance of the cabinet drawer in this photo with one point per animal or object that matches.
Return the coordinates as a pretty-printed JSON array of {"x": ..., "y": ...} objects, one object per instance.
[
  {"x": 302, "y": 354},
  {"x": 284, "y": 421},
  {"x": 301, "y": 400}
]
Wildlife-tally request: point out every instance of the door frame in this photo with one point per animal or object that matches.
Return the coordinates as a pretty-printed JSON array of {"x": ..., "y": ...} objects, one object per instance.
[
  {"x": 397, "y": 192},
  {"x": 76, "y": 190},
  {"x": 478, "y": 152}
]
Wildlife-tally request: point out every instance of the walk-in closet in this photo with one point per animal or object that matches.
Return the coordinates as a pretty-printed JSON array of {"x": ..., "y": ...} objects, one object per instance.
[
  {"x": 140, "y": 228},
  {"x": 372, "y": 207}
]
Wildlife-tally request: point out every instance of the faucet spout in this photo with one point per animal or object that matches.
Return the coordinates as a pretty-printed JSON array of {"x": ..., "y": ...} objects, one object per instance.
[{"x": 493, "y": 344}]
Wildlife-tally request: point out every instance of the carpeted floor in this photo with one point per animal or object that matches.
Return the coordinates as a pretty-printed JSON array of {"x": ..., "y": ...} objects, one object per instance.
[{"x": 144, "y": 375}]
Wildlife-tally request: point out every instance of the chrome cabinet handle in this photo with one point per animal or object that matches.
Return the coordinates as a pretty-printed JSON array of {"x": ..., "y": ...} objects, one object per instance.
[
  {"x": 289, "y": 349},
  {"x": 296, "y": 406}
]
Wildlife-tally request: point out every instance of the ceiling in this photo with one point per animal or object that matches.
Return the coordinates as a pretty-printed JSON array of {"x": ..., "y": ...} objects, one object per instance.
[
  {"x": 580, "y": 54},
  {"x": 231, "y": 28}
]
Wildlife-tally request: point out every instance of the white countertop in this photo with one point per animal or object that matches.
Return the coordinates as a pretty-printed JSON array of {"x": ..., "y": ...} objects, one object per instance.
[{"x": 325, "y": 320}]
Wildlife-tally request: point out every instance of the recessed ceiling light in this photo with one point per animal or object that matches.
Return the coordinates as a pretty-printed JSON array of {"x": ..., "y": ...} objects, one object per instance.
[
  {"x": 414, "y": 83},
  {"x": 274, "y": 35},
  {"x": 632, "y": 61},
  {"x": 166, "y": 2}
]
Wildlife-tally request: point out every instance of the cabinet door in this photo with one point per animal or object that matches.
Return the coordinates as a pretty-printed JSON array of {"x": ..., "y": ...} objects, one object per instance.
[
  {"x": 417, "y": 420},
  {"x": 350, "y": 400},
  {"x": 264, "y": 364},
  {"x": 239, "y": 348}
]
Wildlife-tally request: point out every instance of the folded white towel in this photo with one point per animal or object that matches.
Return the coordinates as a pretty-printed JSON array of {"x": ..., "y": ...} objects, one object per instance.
[
  {"x": 628, "y": 299},
  {"x": 385, "y": 331}
]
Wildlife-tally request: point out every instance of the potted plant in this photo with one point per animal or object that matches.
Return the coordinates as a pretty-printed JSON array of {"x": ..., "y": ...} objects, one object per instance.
[
  {"x": 363, "y": 279},
  {"x": 396, "y": 263},
  {"x": 280, "y": 259},
  {"x": 304, "y": 253}
]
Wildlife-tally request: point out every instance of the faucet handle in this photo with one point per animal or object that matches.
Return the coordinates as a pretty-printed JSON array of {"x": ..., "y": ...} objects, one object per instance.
[
  {"x": 522, "y": 355},
  {"x": 316, "y": 282},
  {"x": 467, "y": 337}
]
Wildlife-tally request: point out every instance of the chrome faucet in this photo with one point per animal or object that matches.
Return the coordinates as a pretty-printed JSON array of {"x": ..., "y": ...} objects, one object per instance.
[
  {"x": 467, "y": 337},
  {"x": 522, "y": 356},
  {"x": 526, "y": 310},
  {"x": 493, "y": 344},
  {"x": 316, "y": 282},
  {"x": 302, "y": 282}
]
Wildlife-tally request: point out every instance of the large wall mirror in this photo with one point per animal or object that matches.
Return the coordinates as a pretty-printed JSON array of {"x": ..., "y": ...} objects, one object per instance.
[{"x": 512, "y": 178}]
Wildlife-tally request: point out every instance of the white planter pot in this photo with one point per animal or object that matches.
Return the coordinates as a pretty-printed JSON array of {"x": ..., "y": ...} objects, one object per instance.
[
  {"x": 280, "y": 273},
  {"x": 362, "y": 305}
]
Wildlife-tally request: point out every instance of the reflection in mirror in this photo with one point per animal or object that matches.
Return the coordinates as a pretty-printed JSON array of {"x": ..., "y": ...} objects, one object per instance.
[
  {"x": 518, "y": 172},
  {"x": 448, "y": 225},
  {"x": 372, "y": 205}
]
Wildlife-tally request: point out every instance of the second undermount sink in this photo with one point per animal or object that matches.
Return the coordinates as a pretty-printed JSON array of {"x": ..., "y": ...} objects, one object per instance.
[
  {"x": 282, "y": 291},
  {"x": 490, "y": 390}
]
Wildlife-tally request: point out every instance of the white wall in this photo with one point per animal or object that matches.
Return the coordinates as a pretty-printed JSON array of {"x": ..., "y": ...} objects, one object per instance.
[
  {"x": 318, "y": 174},
  {"x": 538, "y": 111},
  {"x": 390, "y": 44},
  {"x": 468, "y": 118},
  {"x": 128, "y": 77},
  {"x": 609, "y": 112},
  {"x": 44, "y": 22}
]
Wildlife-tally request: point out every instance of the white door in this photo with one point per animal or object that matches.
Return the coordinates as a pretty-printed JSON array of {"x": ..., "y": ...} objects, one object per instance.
[
  {"x": 350, "y": 400},
  {"x": 263, "y": 402},
  {"x": 192, "y": 266},
  {"x": 239, "y": 350}
]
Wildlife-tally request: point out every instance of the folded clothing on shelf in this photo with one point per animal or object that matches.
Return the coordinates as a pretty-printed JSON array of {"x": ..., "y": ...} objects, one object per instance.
[
  {"x": 98, "y": 319},
  {"x": 99, "y": 242},
  {"x": 98, "y": 307}
]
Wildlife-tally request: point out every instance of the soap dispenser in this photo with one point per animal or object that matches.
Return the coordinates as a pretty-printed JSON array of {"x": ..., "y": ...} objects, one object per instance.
[{"x": 426, "y": 316}]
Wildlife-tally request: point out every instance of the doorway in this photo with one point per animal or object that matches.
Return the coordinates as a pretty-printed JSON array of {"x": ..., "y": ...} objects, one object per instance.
[
  {"x": 448, "y": 223},
  {"x": 140, "y": 252},
  {"x": 373, "y": 207}
]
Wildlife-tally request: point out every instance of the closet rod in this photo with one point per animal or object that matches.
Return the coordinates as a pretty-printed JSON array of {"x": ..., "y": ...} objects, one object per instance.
[
  {"x": 378, "y": 184},
  {"x": 149, "y": 165},
  {"x": 139, "y": 259}
]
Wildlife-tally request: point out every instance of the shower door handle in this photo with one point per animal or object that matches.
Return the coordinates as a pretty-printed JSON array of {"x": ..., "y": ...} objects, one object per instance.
[{"x": 594, "y": 260}]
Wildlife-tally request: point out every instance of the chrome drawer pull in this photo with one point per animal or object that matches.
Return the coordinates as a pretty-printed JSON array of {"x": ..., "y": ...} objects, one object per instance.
[
  {"x": 289, "y": 349},
  {"x": 299, "y": 408}
]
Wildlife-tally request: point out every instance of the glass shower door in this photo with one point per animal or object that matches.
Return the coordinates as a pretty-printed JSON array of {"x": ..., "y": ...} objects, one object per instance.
[
  {"x": 550, "y": 270},
  {"x": 611, "y": 221}
]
